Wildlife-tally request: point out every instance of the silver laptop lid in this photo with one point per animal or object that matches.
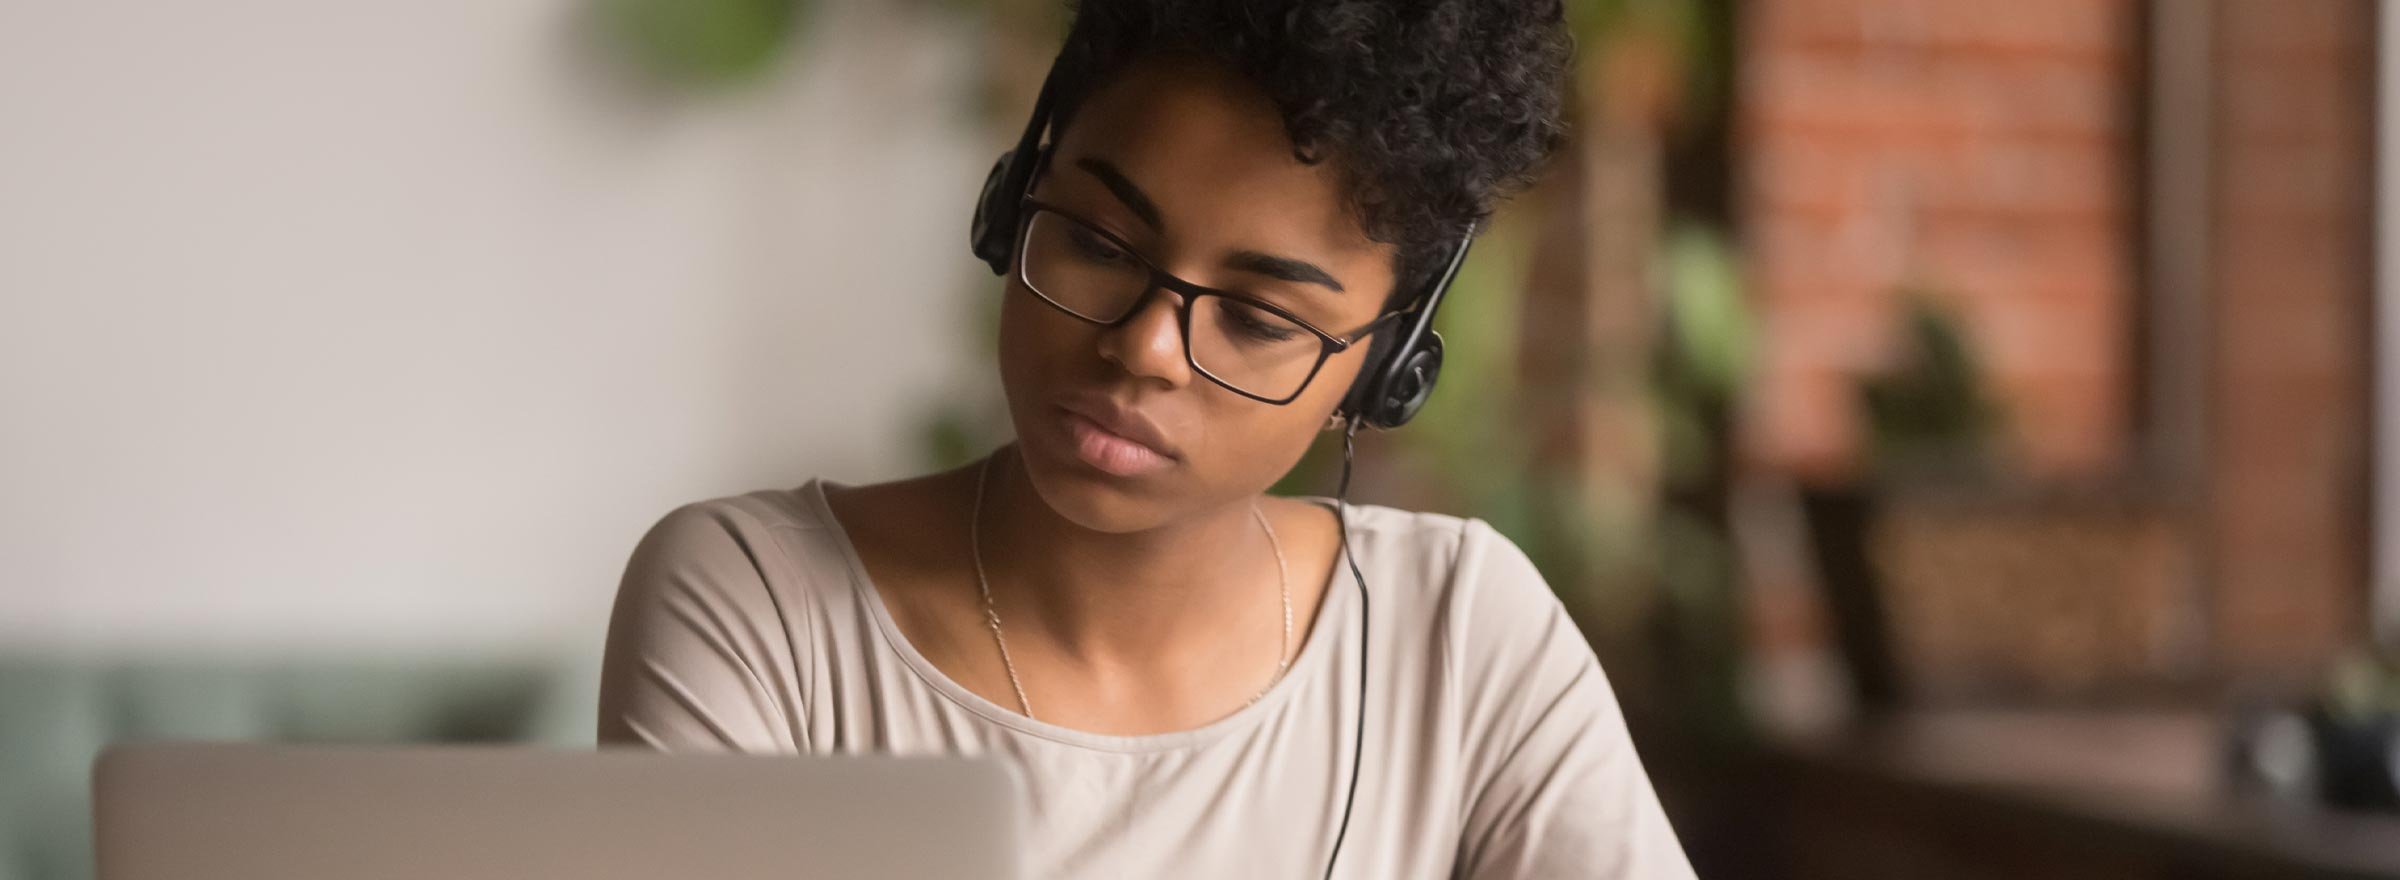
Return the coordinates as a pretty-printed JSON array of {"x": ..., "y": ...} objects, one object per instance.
[{"x": 261, "y": 812}]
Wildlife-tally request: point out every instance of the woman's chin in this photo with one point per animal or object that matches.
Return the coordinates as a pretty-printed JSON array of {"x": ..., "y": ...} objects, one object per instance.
[{"x": 1090, "y": 497}]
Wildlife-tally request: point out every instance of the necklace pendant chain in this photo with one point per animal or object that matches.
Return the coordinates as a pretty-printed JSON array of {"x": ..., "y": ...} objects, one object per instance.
[{"x": 991, "y": 614}]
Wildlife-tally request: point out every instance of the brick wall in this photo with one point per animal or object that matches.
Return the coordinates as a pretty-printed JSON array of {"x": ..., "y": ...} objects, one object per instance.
[
  {"x": 1991, "y": 152},
  {"x": 1977, "y": 150}
]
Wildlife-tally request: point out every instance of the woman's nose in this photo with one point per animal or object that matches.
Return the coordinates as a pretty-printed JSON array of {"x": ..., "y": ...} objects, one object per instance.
[{"x": 1149, "y": 343}]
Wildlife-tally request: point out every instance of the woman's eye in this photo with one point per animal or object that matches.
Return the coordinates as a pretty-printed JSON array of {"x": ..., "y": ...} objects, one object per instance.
[
  {"x": 1093, "y": 247},
  {"x": 1257, "y": 324}
]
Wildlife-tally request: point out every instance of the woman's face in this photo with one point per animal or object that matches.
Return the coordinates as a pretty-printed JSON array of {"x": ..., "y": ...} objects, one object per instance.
[{"x": 1189, "y": 165}]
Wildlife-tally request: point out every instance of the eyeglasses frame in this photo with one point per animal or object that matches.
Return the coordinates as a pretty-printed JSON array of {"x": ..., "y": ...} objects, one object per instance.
[{"x": 1328, "y": 343}]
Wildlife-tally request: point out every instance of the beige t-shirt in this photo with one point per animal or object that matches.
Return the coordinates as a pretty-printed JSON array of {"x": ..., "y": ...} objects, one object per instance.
[{"x": 1494, "y": 746}]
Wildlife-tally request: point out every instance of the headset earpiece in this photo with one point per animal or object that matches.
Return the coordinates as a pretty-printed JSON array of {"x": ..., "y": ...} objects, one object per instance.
[
  {"x": 1411, "y": 383},
  {"x": 994, "y": 229},
  {"x": 1399, "y": 375},
  {"x": 1399, "y": 387},
  {"x": 995, "y": 221}
]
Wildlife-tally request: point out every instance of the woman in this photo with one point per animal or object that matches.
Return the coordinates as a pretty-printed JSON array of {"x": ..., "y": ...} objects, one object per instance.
[{"x": 1241, "y": 207}]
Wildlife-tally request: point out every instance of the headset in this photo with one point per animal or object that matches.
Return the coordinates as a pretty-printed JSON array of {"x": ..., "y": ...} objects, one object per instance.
[
  {"x": 1393, "y": 385},
  {"x": 1398, "y": 377}
]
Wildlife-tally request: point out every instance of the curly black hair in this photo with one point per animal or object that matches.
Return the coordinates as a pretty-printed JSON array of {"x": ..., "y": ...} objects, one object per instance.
[{"x": 1431, "y": 110}]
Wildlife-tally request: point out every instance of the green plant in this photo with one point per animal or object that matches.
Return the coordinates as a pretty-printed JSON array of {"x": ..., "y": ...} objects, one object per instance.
[
  {"x": 1704, "y": 361},
  {"x": 2363, "y": 684},
  {"x": 1931, "y": 412},
  {"x": 704, "y": 42}
]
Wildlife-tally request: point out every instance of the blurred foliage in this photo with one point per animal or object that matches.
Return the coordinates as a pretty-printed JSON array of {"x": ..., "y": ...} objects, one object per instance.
[
  {"x": 1674, "y": 54},
  {"x": 1703, "y": 363},
  {"x": 1931, "y": 414},
  {"x": 705, "y": 42},
  {"x": 2364, "y": 684},
  {"x": 1697, "y": 630},
  {"x": 1707, "y": 350}
]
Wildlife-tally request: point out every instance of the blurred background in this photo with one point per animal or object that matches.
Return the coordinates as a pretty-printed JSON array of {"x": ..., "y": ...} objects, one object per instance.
[{"x": 1965, "y": 430}]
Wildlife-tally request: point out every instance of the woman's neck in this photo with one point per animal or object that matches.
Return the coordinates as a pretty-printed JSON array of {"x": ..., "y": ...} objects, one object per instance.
[{"x": 1136, "y": 598}]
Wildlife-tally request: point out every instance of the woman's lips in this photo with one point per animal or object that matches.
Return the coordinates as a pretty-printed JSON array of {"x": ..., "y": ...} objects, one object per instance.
[{"x": 1111, "y": 453}]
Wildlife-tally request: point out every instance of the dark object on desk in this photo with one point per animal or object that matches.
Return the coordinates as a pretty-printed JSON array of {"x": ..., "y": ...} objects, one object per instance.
[
  {"x": 2359, "y": 759},
  {"x": 2271, "y": 752},
  {"x": 2340, "y": 749},
  {"x": 1839, "y": 520}
]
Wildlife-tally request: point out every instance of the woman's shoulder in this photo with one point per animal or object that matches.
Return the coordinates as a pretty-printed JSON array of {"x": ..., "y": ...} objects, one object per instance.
[
  {"x": 1464, "y": 603},
  {"x": 709, "y": 628},
  {"x": 757, "y": 509},
  {"x": 1440, "y": 553},
  {"x": 765, "y": 543},
  {"x": 758, "y": 517},
  {"x": 1452, "y": 582}
]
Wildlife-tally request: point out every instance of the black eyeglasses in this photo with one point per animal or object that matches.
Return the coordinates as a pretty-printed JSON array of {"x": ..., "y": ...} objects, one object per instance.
[{"x": 1252, "y": 347}]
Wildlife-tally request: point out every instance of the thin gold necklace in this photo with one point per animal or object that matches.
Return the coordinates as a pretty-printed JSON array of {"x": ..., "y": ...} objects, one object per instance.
[{"x": 991, "y": 616}]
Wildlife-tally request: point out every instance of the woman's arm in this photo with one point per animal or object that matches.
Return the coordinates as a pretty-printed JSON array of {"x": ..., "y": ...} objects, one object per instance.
[
  {"x": 1557, "y": 789},
  {"x": 697, "y": 657}
]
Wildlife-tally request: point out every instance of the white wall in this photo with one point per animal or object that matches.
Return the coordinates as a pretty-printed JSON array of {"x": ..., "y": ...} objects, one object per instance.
[{"x": 391, "y": 326}]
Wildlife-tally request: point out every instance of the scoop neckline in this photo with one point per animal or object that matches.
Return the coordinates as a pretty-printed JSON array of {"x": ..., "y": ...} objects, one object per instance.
[{"x": 1334, "y": 606}]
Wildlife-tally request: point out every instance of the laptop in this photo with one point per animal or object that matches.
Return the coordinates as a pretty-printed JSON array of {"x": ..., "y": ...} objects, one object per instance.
[{"x": 220, "y": 811}]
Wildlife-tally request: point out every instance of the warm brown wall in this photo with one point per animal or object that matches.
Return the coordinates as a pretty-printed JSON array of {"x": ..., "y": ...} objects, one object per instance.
[
  {"x": 1981, "y": 149},
  {"x": 2288, "y": 444},
  {"x": 1996, "y": 153}
]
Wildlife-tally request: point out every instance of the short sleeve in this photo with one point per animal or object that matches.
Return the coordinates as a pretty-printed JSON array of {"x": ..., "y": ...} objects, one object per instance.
[
  {"x": 1554, "y": 787},
  {"x": 698, "y": 657}
]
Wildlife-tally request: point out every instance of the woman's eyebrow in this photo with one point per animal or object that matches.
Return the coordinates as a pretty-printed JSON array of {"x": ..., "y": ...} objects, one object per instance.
[
  {"x": 1286, "y": 268},
  {"x": 1270, "y": 265},
  {"x": 1133, "y": 197}
]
